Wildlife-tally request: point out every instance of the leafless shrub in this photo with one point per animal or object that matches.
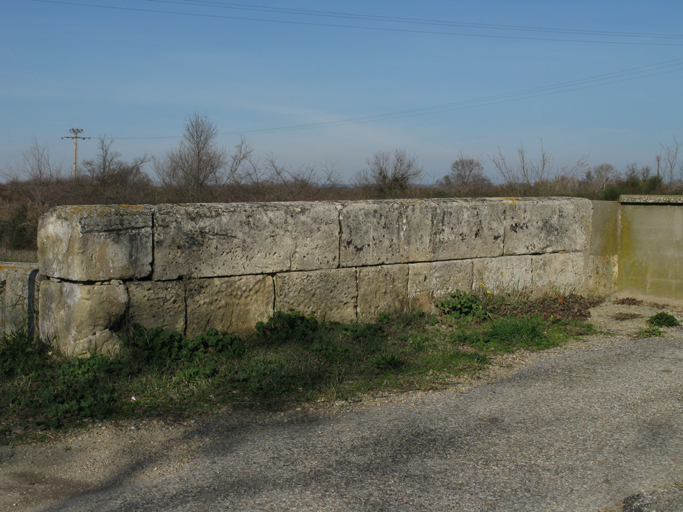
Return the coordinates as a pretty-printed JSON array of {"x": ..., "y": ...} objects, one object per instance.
[
  {"x": 638, "y": 172},
  {"x": 390, "y": 172},
  {"x": 38, "y": 171},
  {"x": 117, "y": 180},
  {"x": 597, "y": 178},
  {"x": 271, "y": 180},
  {"x": 466, "y": 176}
]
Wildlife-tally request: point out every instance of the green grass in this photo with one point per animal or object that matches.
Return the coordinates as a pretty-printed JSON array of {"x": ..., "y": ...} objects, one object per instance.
[
  {"x": 290, "y": 359},
  {"x": 663, "y": 319}
]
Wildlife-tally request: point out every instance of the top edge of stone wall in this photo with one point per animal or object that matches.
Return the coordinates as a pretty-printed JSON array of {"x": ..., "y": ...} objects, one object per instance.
[
  {"x": 9, "y": 265},
  {"x": 645, "y": 200},
  {"x": 93, "y": 243},
  {"x": 104, "y": 217}
]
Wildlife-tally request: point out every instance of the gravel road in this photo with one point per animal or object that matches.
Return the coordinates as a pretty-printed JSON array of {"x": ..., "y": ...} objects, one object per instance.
[{"x": 595, "y": 426}]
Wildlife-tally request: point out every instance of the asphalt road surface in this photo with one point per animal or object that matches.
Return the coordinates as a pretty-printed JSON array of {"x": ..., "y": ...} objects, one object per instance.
[{"x": 595, "y": 427}]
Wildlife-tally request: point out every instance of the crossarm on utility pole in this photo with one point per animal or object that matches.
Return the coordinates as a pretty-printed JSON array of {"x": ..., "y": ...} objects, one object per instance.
[{"x": 76, "y": 132}]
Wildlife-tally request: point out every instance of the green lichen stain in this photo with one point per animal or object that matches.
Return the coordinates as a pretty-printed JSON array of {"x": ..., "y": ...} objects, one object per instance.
[{"x": 605, "y": 229}]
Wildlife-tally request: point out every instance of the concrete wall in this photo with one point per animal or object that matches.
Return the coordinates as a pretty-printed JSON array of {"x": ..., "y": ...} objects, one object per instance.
[
  {"x": 193, "y": 267},
  {"x": 651, "y": 247}
]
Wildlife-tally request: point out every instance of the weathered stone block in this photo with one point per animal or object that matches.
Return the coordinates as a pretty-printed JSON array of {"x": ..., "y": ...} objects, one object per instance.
[
  {"x": 380, "y": 232},
  {"x": 411, "y": 231},
  {"x": 382, "y": 289},
  {"x": 215, "y": 240},
  {"x": 18, "y": 286},
  {"x": 71, "y": 312},
  {"x": 558, "y": 273},
  {"x": 506, "y": 274},
  {"x": 328, "y": 294},
  {"x": 429, "y": 282},
  {"x": 536, "y": 226},
  {"x": 234, "y": 304},
  {"x": 96, "y": 243},
  {"x": 157, "y": 304},
  {"x": 467, "y": 228},
  {"x": 102, "y": 342}
]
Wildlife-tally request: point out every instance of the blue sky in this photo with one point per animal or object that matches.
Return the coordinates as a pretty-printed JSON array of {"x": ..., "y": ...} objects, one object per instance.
[{"x": 136, "y": 75}]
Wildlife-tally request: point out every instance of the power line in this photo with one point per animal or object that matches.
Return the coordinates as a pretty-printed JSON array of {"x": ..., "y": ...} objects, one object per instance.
[
  {"x": 660, "y": 68},
  {"x": 650, "y": 70},
  {"x": 418, "y": 21},
  {"x": 359, "y": 27}
]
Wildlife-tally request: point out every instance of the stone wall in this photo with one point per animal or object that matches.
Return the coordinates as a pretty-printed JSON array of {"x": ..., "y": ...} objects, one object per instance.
[
  {"x": 193, "y": 267},
  {"x": 19, "y": 285}
]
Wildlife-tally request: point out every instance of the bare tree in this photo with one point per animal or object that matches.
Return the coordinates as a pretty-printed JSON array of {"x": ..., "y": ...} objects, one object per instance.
[
  {"x": 199, "y": 168},
  {"x": 635, "y": 171},
  {"x": 390, "y": 172},
  {"x": 36, "y": 166},
  {"x": 40, "y": 172},
  {"x": 602, "y": 175},
  {"x": 671, "y": 168},
  {"x": 526, "y": 172},
  {"x": 111, "y": 174},
  {"x": 467, "y": 175}
]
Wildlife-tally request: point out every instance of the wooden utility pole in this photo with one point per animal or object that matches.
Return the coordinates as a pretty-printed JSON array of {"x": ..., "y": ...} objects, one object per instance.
[{"x": 76, "y": 132}]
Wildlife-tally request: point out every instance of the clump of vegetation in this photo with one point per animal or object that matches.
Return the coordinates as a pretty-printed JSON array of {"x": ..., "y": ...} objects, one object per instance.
[
  {"x": 650, "y": 331},
  {"x": 663, "y": 319},
  {"x": 460, "y": 304},
  {"x": 621, "y": 316},
  {"x": 509, "y": 334},
  {"x": 290, "y": 358}
]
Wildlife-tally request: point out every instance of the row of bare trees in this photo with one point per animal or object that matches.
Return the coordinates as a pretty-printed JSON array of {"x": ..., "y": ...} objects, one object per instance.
[{"x": 199, "y": 169}]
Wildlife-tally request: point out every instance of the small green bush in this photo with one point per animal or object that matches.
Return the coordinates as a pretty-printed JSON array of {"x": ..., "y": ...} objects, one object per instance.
[
  {"x": 462, "y": 304},
  {"x": 288, "y": 327},
  {"x": 663, "y": 319},
  {"x": 386, "y": 362}
]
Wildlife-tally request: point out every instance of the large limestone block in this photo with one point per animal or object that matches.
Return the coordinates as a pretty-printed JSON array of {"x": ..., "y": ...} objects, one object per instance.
[
  {"x": 507, "y": 274},
  {"x": 18, "y": 287},
  {"x": 234, "y": 304},
  {"x": 70, "y": 312},
  {"x": 558, "y": 274},
  {"x": 536, "y": 226},
  {"x": 96, "y": 243},
  {"x": 381, "y": 232},
  {"x": 430, "y": 282},
  {"x": 157, "y": 304},
  {"x": 412, "y": 231},
  {"x": 216, "y": 240},
  {"x": 382, "y": 289},
  {"x": 467, "y": 229},
  {"x": 325, "y": 294}
]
